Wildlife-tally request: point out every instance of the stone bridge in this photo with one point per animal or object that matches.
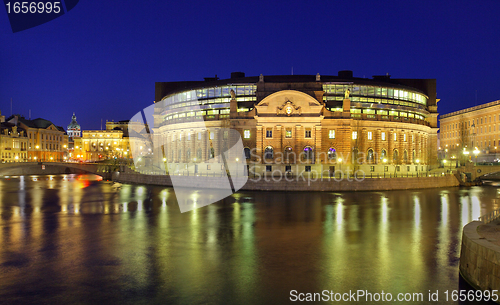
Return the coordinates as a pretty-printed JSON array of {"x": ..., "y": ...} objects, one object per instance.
[
  {"x": 479, "y": 171},
  {"x": 56, "y": 168}
]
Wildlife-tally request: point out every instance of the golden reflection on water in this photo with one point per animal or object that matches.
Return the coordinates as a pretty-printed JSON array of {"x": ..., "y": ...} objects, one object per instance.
[{"x": 250, "y": 245}]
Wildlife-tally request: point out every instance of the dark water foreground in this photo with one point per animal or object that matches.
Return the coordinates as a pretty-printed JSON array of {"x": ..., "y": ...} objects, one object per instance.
[{"x": 67, "y": 239}]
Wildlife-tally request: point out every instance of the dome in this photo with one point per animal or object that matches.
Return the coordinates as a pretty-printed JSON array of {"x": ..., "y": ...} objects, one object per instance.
[{"x": 73, "y": 125}]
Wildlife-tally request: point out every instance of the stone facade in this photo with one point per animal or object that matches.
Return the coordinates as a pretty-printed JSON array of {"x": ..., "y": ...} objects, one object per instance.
[
  {"x": 476, "y": 128},
  {"x": 285, "y": 121}
]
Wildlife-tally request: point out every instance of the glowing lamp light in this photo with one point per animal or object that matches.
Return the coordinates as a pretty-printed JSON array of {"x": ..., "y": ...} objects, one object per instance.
[
  {"x": 37, "y": 147},
  {"x": 418, "y": 161},
  {"x": 340, "y": 159},
  {"x": 237, "y": 159},
  {"x": 164, "y": 159},
  {"x": 385, "y": 160}
]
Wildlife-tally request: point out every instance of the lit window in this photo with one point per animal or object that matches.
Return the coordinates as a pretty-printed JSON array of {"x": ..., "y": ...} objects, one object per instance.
[
  {"x": 308, "y": 133},
  {"x": 404, "y": 137},
  {"x": 395, "y": 136},
  {"x": 269, "y": 133},
  {"x": 331, "y": 134},
  {"x": 211, "y": 135},
  {"x": 288, "y": 133},
  {"x": 354, "y": 135},
  {"x": 383, "y": 136},
  {"x": 369, "y": 135},
  {"x": 246, "y": 134},
  {"x": 199, "y": 135},
  {"x": 189, "y": 137},
  {"x": 413, "y": 138}
]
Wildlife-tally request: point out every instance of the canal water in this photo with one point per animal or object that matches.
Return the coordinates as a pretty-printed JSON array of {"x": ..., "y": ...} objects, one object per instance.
[{"x": 71, "y": 239}]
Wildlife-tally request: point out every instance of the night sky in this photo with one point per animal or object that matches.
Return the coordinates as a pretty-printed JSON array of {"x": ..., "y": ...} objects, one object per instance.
[{"x": 102, "y": 58}]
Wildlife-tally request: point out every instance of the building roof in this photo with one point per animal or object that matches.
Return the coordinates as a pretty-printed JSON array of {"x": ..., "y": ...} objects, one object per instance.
[
  {"x": 36, "y": 123},
  {"x": 425, "y": 86}
]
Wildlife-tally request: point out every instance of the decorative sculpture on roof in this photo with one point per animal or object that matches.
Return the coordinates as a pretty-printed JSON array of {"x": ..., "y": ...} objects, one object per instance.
[{"x": 346, "y": 93}]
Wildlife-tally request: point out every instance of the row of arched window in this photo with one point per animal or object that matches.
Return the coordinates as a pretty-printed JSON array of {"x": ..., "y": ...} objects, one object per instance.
[{"x": 307, "y": 154}]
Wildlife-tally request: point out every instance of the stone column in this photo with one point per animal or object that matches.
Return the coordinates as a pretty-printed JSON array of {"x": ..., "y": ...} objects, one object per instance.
[
  {"x": 259, "y": 143},
  {"x": 318, "y": 150}
]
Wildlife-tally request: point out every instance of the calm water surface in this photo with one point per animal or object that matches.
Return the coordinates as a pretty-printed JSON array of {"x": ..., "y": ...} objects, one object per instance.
[{"x": 68, "y": 239}]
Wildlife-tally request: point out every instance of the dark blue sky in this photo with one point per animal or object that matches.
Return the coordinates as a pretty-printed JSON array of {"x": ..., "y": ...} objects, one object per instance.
[{"x": 102, "y": 58}]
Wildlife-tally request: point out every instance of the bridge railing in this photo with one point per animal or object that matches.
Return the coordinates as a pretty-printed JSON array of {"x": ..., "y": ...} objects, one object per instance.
[{"x": 487, "y": 218}]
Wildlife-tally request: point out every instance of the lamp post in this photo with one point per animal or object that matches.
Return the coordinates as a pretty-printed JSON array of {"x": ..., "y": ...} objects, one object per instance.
[
  {"x": 466, "y": 153},
  {"x": 339, "y": 160},
  {"x": 476, "y": 152}
]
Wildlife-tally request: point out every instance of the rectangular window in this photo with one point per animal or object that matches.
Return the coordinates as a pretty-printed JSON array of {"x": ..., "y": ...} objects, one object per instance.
[
  {"x": 386, "y": 168},
  {"x": 211, "y": 135},
  {"x": 395, "y": 136},
  {"x": 199, "y": 135},
  {"x": 412, "y": 138},
  {"x": 383, "y": 136},
  {"x": 404, "y": 137},
  {"x": 308, "y": 168},
  {"x": 354, "y": 135},
  {"x": 398, "y": 168},
  {"x": 308, "y": 133},
  {"x": 246, "y": 134},
  {"x": 288, "y": 168},
  {"x": 288, "y": 133},
  {"x": 369, "y": 135},
  {"x": 269, "y": 168},
  {"x": 331, "y": 134},
  {"x": 189, "y": 137},
  {"x": 407, "y": 168},
  {"x": 372, "y": 168},
  {"x": 269, "y": 133}
]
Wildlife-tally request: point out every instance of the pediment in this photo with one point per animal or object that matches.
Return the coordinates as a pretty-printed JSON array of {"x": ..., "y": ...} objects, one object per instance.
[{"x": 289, "y": 103}]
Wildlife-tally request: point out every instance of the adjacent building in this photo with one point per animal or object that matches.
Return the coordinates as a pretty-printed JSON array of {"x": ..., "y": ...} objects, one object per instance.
[
  {"x": 111, "y": 143},
  {"x": 45, "y": 141},
  {"x": 13, "y": 142},
  {"x": 471, "y": 129},
  {"x": 296, "y": 123}
]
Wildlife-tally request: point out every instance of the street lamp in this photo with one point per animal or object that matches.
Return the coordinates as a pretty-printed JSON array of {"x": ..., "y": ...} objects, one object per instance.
[{"x": 476, "y": 152}]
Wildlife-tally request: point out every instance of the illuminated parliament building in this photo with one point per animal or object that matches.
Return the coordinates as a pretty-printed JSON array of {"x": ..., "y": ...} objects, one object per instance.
[{"x": 301, "y": 123}]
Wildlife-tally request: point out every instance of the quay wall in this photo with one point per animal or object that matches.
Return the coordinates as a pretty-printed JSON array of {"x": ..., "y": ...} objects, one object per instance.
[
  {"x": 295, "y": 183},
  {"x": 479, "y": 259}
]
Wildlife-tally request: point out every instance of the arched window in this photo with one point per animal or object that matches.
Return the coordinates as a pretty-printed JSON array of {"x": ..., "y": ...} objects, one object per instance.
[
  {"x": 413, "y": 156},
  {"x": 308, "y": 153},
  {"x": 369, "y": 156},
  {"x": 188, "y": 155},
  {"x": 395, "y": 156},
  {"x": 405, "y": 156},
  {"x": 332, "y": 154},
  {"x": 268, "y": 153},
  {"x": 212, "y": 153},
  {"x": 247, "y": 152},
  {"x": 383, "y": 155}
]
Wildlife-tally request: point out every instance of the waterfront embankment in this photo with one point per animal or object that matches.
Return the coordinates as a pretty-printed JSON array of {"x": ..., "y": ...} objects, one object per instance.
[
  {"x": 480, "y": 255},
  {"x": 296, "y": 183}
]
